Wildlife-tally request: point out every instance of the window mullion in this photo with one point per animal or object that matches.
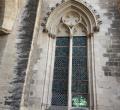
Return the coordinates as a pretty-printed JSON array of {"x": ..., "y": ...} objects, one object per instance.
[{"x": 70, "y": 76}]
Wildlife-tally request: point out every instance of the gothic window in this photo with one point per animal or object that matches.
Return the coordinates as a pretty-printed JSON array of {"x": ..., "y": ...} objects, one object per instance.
[
  {"x": 73, "y": 24},
  {"x": 79, "y": 81},
  {"x": 79, "y": 72},
  {"x": 60, "y": 79}
]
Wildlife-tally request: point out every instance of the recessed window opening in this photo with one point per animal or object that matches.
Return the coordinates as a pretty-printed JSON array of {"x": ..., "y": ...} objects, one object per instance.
[{"x": 75, "y": 87}]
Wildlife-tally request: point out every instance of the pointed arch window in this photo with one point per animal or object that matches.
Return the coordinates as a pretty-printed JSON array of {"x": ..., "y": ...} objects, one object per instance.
[
  {"x": 72, "y": 23},
  {"x": 60, "y": 78},
  {"x": 70, "y": 81}
]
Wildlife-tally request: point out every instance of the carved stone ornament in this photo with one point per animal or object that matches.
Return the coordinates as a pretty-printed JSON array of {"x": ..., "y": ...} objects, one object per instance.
[
  {"x": 73, "y": 14},
  {"x": 71, "y": 19},
  {"x": 4, "y": 31}
]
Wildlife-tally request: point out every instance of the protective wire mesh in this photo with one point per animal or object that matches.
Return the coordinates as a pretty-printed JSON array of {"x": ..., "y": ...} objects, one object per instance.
[
  {"x": 79, "y": 72},
  {"x": 60, "y": 79}
]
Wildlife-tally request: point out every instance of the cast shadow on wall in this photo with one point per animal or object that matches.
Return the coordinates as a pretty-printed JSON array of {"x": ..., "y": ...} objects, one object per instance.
[{"x": 2, "y": 10}]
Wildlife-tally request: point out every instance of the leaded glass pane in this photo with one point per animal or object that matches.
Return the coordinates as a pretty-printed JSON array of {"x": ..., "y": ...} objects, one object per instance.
[
  {"x": 62, "y": 51},
  {"x": 79, "y": 61},
  {"x": 60, "y": 86},
  {"x": 62, "y": 41},
  {"x": 61, "y": 73},
  {"x": 79, "y": 72},
  {"x": 60, "y": 78},
  {"x": 80, "y": 87},
  {"x": 80, "y": 101},
  {"x": 61, "y": 62},
  {"x": 59, "y": 99},
  {"x": 80, "y": 41},
  {"x": 80, "y": 51}
]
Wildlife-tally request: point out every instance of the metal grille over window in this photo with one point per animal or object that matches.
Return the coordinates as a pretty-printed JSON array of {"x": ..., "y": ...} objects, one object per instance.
[
  {"x": 60, "y": 78},
  {"x": 79, "y": 72}
]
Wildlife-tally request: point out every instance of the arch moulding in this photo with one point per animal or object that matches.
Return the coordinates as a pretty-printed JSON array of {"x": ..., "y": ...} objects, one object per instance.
[{"x": 73, "y": 13}]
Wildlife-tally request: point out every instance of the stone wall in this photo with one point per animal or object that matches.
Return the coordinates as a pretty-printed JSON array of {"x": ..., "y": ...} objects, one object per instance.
[
  {"x": 118, "y": 4},
  {"x": 107, "y": 51},
  {"x": 14, "y": 50},
  {"x": 8, "y": 15},
  {"x": 9, "y": 10},
  {"x": 105, "y": 63}
]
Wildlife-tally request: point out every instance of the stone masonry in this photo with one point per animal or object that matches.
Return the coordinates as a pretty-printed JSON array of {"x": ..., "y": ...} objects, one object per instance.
[{"x": 26, "y": 53}]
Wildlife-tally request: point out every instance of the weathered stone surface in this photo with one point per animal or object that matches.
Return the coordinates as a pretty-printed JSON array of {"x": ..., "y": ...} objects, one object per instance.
[
  {"x": 8, "y": 12},
  {"x": 14, "y": 58},
  {"x": 107, "y": 62},
  {"x": 36, "y": 76}
]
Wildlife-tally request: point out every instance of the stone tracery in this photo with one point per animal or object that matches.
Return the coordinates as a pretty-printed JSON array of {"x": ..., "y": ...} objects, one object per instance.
[{"x": 72, "y": 13}]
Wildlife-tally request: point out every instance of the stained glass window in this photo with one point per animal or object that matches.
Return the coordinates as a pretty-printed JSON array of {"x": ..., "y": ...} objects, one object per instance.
[
  {"x": 62, "y": 41},
  {"x": 79, "y": 72},
  {"x": 60, "y": 79},
  {"x": 79, "y": 101},
  {"x": 79, "y": 41}
]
